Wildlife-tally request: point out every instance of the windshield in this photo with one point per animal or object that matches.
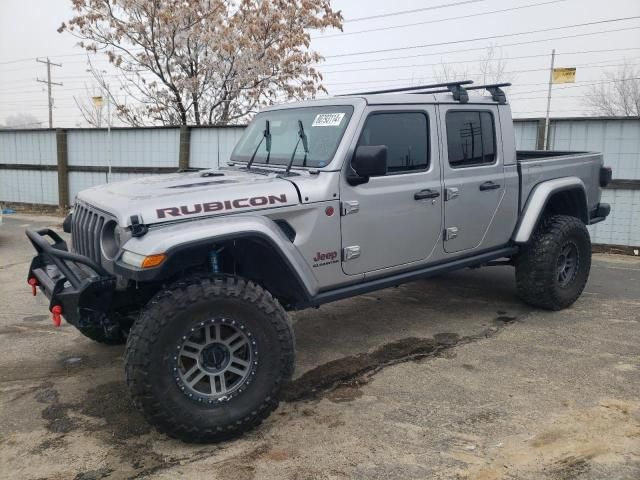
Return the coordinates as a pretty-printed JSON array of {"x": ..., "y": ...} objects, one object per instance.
[{"x": 323, "y": 127}]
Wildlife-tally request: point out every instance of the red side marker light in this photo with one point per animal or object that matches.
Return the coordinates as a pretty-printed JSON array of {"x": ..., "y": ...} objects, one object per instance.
[
  {"x": 34, "y": 283},
  {"x": 329, "y": 211},
  {"x": 56, "y": 311}
]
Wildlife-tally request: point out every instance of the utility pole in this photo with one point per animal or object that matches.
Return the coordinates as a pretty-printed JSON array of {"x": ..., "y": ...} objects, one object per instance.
[
  {"x": 109, "y": 145},
  {"x": 49, "y": 83},
  {"x": 546, "y": 122}
]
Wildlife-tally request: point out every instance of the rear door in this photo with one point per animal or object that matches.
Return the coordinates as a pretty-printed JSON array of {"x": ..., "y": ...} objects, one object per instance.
[
  {"x": 474, "y": 180},
  {"x": 396, "y": 219}
]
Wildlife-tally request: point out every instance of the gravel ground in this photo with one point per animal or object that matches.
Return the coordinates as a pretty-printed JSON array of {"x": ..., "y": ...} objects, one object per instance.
[{"x": 449, "y": 378}]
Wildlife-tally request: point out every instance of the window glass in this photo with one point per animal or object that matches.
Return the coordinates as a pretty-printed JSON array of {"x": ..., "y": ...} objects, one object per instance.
[
  {"x": 406, "y": 138},
  {"x": 471, "y": 138}
]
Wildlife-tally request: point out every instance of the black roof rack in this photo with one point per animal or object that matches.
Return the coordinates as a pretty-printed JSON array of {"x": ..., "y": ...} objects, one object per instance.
[
  {"x": 448, "y": 85},
  {"x": 497, "y": 94},
  {"x": 457, "y": 89}
]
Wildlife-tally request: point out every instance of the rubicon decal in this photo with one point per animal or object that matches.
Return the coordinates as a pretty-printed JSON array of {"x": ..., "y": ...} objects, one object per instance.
[
  {"x": 220, "y": 206},
  {"x": 325, "y": 258}
]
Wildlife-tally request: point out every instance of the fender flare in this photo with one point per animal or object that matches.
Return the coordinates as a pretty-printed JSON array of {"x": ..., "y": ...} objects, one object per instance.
[
  {"x": 175, "y": 240},
  {"x": 537, "y": 202}
]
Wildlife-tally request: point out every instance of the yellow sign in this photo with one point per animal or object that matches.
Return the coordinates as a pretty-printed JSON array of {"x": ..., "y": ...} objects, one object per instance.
[{"x": 564, "y": 75}]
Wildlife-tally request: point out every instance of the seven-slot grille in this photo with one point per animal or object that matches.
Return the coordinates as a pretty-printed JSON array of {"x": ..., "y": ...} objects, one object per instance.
[{"x": 86, "y": 227}]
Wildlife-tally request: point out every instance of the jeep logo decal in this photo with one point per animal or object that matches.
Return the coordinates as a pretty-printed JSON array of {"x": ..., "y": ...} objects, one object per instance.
[
  {"x": 219, "y": 206},
  {"x": 325, "y": 258}
]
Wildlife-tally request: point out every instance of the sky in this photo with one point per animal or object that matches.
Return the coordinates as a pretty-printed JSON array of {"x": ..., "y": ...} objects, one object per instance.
[{"x": 409, "y": 41}]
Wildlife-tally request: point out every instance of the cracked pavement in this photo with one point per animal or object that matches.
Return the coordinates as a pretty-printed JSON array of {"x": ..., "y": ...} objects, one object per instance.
[{"x": 447, "y": 378}]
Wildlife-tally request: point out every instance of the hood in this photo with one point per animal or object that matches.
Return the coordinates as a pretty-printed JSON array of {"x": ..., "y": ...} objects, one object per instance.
[{"x": 162, "y": 198}]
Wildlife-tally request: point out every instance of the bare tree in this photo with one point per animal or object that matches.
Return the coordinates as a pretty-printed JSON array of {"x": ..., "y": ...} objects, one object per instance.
[
  {"x": 617, "y": 95},
  {"x": 92, "y": 106},
  {"x": 22, "y": 120},
  {"x": 204, "y": 61},
  {"x": 448, "y": 72},
  {"x": 490, "y": 68}
]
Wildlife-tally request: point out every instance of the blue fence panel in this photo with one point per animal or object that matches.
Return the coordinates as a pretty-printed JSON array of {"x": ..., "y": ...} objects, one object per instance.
[
  {"x": 617, "y": 139},
  {"x": 152, "y": 147},
  {"x": 526, "y": 132},
  {"x": 212, "y": 147}
]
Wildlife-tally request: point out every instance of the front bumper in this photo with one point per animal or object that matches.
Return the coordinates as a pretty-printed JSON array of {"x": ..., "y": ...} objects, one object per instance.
[{"x": 75, "y": 285}]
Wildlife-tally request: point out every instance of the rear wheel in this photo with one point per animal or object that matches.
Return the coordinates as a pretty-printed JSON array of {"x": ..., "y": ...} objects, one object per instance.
[
  {"x": 208, "y": 358},
  {"x": 553, "y": 268}
]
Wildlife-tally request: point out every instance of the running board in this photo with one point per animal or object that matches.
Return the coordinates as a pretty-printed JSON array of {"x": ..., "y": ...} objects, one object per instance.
[{"x": 400, "y": 278}]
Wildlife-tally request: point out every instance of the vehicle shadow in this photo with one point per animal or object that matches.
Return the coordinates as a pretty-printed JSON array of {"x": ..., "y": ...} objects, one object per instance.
[{"x": 460, "y": 303}]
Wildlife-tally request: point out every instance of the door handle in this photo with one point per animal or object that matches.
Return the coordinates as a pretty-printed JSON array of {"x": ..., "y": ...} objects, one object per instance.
[
  {"x": 489, "y": 186},
  {"x": 422, "y": 194}
]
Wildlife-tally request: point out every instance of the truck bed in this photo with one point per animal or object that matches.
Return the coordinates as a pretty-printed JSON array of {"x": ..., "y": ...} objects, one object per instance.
[
  {"x": 526, "y": 155},
  {"x": 535, "y": 166}
]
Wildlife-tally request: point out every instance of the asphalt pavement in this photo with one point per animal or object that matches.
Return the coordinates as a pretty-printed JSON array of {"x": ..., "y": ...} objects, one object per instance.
[{"x": 446, "y": 378}]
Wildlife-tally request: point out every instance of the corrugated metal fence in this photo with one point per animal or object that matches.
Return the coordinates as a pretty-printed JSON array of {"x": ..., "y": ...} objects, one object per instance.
[
  {"x": 49, "y": 167},
  {"x": 619, "y": 141}
]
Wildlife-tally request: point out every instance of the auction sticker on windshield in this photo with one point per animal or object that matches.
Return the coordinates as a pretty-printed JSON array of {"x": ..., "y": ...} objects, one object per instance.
[{"x": 328, "y": 120}]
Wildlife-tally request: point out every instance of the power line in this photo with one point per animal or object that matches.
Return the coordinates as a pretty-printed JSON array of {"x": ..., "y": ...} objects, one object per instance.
[
  {"x": 26, "y": 59},
  {"x": 489, "y": 37},
  {"x": 65, "y": 55},
  {"x": 393, "y": 67},
  {"x": 512, "y": 96},
  {"x": 96, "y": 59},
  {"x": 544, "y": 97},
  {"x": 21, "y": 81},
  {"x": 407, "y": 79},
  {"x": 528, "y": 42},
  {"x": 458, "y": 17},
  {"x": 391, "y": 14},
  {"x": 593, "y": 112},
  {"x": 580, "y": 86},
  {"x": 415, "y": 10},
  {"x": 78, "y": 79}
]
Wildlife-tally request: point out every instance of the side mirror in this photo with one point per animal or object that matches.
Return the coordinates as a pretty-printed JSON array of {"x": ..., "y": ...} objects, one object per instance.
[{"x": 368, "y": 161}]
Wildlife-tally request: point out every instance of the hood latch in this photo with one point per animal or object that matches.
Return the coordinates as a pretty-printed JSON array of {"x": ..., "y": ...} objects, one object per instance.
[{"x": 138, "y": 229}]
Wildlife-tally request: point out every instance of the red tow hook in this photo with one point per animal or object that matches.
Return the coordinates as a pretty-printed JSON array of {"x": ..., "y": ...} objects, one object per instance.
[
  {"x": 56, "y": 311},
  {"x": 34, "y": 283}
]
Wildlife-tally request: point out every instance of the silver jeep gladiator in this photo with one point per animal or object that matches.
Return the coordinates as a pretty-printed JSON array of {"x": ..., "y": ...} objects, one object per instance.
[{"x": 321, "y": 200}]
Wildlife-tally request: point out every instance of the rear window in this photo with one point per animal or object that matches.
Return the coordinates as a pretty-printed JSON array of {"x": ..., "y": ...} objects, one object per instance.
[{"x": 471, "y": 138}]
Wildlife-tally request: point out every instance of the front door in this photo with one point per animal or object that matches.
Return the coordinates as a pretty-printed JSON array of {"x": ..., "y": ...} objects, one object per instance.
[
  {"x": 474, "y": 182},
  {"x": 394, "y": 219}
]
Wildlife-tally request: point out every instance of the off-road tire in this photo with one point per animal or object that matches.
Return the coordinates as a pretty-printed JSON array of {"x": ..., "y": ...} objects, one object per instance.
[
  {"x": 172, "y": 313},
  {"x": 537, "y": 263}
]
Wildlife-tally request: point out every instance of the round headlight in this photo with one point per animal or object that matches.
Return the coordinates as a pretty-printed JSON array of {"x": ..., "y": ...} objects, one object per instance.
[
  {"x": 110, "y": 240},
  {"x": 118, "y": 234}
]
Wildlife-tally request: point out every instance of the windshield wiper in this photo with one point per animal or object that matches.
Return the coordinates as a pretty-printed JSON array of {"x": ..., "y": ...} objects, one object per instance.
[
  {"x": 301, "y": 136},
  {"x": 265, "y": 135}
]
